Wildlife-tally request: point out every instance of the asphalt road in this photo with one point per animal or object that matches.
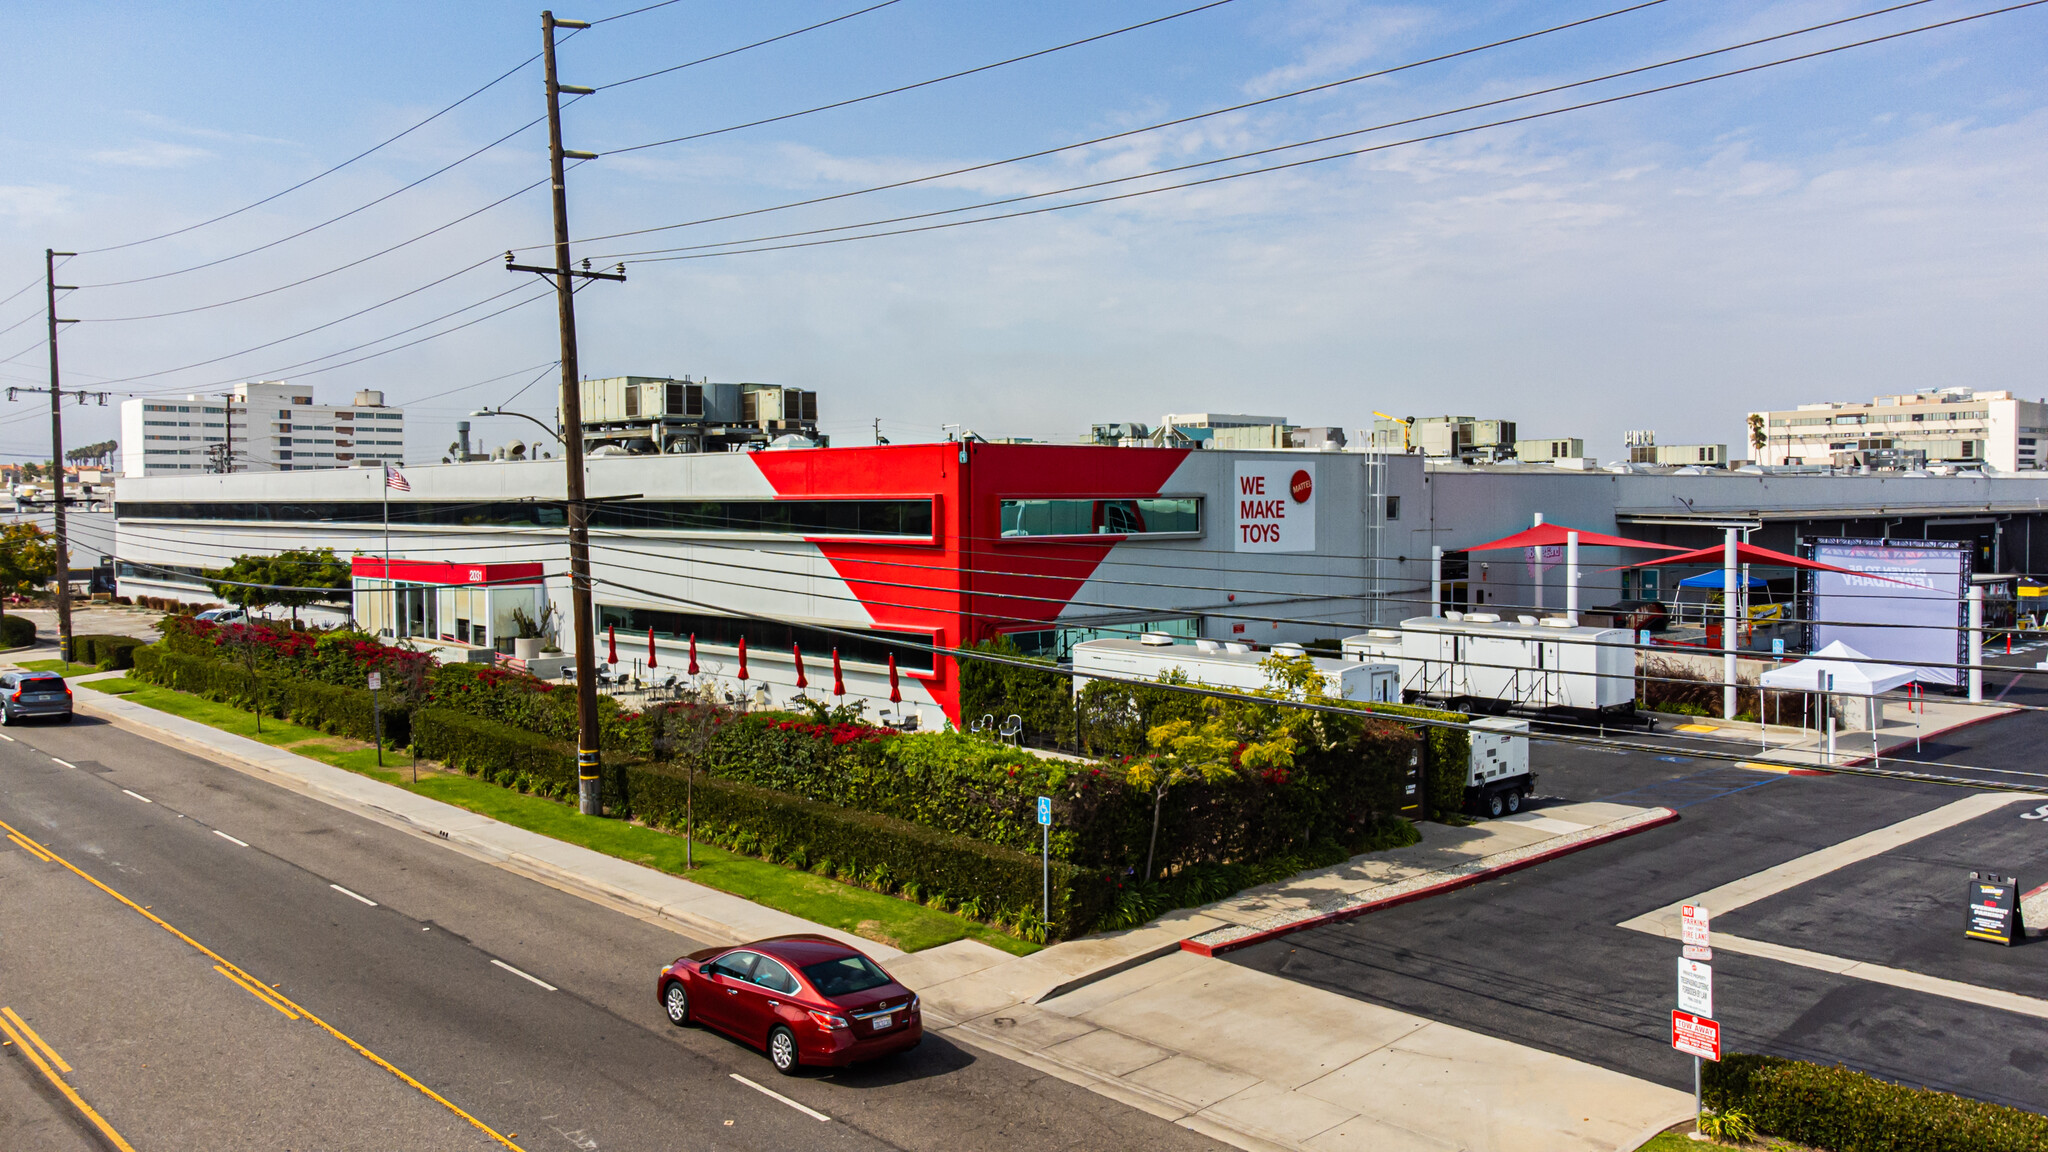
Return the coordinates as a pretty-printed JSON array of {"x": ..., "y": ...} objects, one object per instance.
[
  {"x": 411, "y": 967},
  {"x": 1536, "y": 956}
]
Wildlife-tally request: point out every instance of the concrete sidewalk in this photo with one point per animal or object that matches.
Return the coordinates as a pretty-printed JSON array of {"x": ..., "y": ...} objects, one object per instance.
[
  {"x": 1253, "y": 1060},
  {"x": 1902, "y": 725}
]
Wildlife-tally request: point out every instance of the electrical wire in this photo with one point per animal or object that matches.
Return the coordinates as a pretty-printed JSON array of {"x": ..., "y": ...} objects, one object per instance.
[
  {"x": 697, "y": 252},
  {"x": 912, "y": 87},
  {"x": 741, "y": 48}
]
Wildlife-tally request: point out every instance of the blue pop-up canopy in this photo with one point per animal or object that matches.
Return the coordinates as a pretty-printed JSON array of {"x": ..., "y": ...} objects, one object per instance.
[{"x": 1714, "y": 580}]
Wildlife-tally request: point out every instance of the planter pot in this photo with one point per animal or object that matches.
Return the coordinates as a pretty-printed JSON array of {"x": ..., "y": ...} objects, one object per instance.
[{"x": 527, "y": 647}]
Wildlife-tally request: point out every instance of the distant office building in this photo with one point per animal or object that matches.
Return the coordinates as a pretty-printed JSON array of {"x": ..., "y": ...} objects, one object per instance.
[
  {"x": 262, "y": 426},
  {"x": 1934, "y": 426},
  {"x": 1220, "y": 430}
]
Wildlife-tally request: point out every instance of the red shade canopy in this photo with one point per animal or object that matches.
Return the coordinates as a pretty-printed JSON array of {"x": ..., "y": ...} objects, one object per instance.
[
  {"x": 1553, "y": 535},
  {"x": 743, "y": 659},
  {"x": 1748, "y": 554},
  {"x": 895, "y": 693},
  {"x": 611, "y": 638},
  {"x": 650, "y": 647},
  {"x": 693, "y": 653},
  {"x": 838, "y": 684},
  {"x": 801, "y": 682}
]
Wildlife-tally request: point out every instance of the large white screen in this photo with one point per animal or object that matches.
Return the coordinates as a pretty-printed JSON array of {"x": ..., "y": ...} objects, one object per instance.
[{"x": 1909, "y": 622}]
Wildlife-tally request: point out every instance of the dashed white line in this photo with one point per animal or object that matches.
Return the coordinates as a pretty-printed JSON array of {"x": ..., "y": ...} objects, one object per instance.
[
  {"x": 9, "y": 739},
  {"x": 526, "y": 976},
  {"x": 232, "y": 840},
  {"x": 813, "y": 1113},
  {"x": 66, "y": 763},
  {"x": 139, "y": 796},
  {"x": 353, "y": 895}
]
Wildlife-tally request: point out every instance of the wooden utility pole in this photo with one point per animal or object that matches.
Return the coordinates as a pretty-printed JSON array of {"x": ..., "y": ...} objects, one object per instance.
[{"x": 57, "y": 455}]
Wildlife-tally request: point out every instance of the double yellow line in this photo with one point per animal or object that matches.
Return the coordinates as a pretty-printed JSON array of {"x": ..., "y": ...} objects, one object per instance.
[
  {"x": 251, "y": 984},
  {"x": 52, "y": 1066}
]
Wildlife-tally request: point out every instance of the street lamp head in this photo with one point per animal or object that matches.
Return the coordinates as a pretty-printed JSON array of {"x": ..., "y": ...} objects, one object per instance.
[{"x": 483, "y": 412}]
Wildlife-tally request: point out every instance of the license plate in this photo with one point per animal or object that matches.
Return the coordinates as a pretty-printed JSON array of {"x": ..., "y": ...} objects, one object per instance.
[
  {"x": 44, "y": 698},
  {"x": 882, "y": 1022}
]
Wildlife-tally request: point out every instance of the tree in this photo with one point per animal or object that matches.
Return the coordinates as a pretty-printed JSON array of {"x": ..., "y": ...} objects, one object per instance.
[
  {"x": 28, "y": 557},
  {"x": 291, "y": 579},
  {"x": 685, "y": 734}
]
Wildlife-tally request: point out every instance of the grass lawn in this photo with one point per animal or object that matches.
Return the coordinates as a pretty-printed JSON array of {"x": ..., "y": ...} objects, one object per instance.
[
  {"x": 61, "y": 667},
  {"x": 900, "y": 923}
]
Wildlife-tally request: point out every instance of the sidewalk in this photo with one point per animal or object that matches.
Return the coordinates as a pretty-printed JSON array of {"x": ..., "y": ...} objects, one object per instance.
[
  {"x": 1146, "y": 1016},
  {"x": 1902, "y": 724}
]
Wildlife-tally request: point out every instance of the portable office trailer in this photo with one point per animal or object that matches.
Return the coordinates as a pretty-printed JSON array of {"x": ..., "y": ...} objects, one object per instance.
[
  {"x": 1487, "y": 662},
  {"x": 1227, "y": 665}
]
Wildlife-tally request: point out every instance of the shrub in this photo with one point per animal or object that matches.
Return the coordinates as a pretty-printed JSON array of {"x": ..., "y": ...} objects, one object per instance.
[
  {"x": 342, "y": 711},
  {"x": 17, "y": 631},
  {"x": 1848, "y": 1111},
  {"x": 107, "y": 652},
  {"x": 488, "y": 749},
  {"x": 1447, "y": 753}
]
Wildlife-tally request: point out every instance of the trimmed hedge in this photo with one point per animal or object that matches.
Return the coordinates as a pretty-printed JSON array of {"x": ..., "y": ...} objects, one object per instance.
[
  {"x": 498, "y": 752},
  {"x": 104, "y": 651},
  {"x": 1447, "y": 751},
  {"x": 17, "y": 631},
  {"x": 342, "y": 711},
  {"x": 1848, "y": 1111}
]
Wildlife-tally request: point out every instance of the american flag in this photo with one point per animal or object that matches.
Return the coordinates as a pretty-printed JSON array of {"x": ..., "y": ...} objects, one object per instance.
[{"x": 393, "y": 478}]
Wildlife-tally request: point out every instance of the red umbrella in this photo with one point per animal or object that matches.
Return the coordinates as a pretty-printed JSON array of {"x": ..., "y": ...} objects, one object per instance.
[
  {"x": 650, "y": 647},
  {"x": 693, "y": 653},
  {"x": 1553, "y": 536},
  {"x": 838, "y": 684},
  {"x": 611, "y": 635},
  {"x": 801, "y": 683},
  {"x": 743, "y": 659},
  {"x": 1716, "y": 556},
  {"x": 895, "y": 694}
]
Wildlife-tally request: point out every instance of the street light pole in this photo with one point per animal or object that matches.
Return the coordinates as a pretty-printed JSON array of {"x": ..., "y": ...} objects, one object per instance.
[
  {"x": 589, "y": 793},
  {"x": 523, "y": 416},
  {"x": 57, "y": 457}
]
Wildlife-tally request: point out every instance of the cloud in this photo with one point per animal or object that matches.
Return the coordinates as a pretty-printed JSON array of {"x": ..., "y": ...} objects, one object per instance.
[
  {"x": 151, "y": 154},
  {"x": 24, "y": 202}
]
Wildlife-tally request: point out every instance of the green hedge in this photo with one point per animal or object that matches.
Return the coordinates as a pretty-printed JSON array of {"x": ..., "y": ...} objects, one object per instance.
[
  {"x": 104, "y": 651},
  {"x": 498, "y": 752},
  {"x": 1448, "y": 751},
  {"x": 342, "y": 711},
  {"x": 1847, "y": 1111},
  {"x": 17, "y": 631}
]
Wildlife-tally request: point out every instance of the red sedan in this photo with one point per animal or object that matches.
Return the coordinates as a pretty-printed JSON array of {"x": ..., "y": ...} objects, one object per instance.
[{"x": 807, "y": 1000}]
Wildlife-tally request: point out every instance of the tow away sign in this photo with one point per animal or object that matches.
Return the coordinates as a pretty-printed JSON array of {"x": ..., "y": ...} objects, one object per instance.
[
  {"x": 1696, "y": 1035},
  {"x": 1692, "y": 933}
]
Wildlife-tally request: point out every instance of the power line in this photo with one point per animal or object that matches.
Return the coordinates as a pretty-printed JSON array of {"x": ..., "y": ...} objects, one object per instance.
[
  {"x": 731, "y": 51},
  {"x": 695, "y": 251},
  {"x": 1134, "y": 131},
  {"x": 912, "y": 87}
]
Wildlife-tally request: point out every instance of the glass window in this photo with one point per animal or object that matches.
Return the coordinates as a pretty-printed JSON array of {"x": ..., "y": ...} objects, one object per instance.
[
  {"x": 867, "y": 645},
  {"x": 1148, "y": 517},
  {"x": 911, "y": 518},
  {"x": 845, "y": 976},
  {"x": 774, "y": 977},
  {"x": 738, "y": 965},
  {"x": 1057, "y": 644}
]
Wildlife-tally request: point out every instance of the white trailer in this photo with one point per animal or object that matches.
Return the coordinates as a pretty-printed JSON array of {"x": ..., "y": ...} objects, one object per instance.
[
  {"x": 1483, "y": 660},
  {"x": 1220, "y": 664},
  {"x": 1497, "y": 778}
]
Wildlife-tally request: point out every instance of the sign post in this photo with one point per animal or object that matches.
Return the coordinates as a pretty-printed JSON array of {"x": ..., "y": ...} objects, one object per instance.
[
  {"x": 1693, "y": 1029},
  {"x": 1045, "y": 858},
  {"x": 377, "y": 715}
]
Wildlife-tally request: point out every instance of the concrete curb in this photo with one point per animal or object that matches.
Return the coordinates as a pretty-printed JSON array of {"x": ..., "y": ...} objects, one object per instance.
[{"x": 1220, "y": 940}]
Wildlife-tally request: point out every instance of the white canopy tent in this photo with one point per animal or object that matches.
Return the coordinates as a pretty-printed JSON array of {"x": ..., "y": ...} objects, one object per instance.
[{"x": 1837, "y": 669}]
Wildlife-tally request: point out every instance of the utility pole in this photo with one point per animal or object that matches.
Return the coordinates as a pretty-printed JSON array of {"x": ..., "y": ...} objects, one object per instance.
[
  {"x": 57, "y": 455},
  {"x": 589, "y": 795}
]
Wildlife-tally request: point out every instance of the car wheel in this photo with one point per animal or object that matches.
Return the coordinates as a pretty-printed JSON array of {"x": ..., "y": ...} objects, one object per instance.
[
  {"x": 676, "y": 1002},
  {"x": 6, "y": 717},
  {"x": 782, "y": 1050},
  {"x": 1514, "y": 802},
  {"x": 1494, "y": 804}
]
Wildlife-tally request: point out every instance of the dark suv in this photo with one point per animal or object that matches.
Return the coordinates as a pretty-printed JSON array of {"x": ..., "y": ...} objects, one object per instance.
[{"x": 25, "y": 694}]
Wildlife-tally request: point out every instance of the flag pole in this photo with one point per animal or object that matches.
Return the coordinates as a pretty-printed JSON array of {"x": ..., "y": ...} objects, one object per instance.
[{"x": 390, "y": 585}]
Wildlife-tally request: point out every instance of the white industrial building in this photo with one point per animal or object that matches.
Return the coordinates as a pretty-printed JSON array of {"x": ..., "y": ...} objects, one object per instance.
[
  {"x": 261, "y": 426},
  {"x": 1937, "y": 426}
]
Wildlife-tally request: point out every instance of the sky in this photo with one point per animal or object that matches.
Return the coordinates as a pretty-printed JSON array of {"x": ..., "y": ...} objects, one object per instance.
[{"x": 1868, "y": 221}]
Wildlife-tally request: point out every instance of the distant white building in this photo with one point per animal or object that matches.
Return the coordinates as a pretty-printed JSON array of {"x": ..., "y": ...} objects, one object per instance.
[
  {"x": 267, "y": 426},
  {"x": 1945, "y": 426}
]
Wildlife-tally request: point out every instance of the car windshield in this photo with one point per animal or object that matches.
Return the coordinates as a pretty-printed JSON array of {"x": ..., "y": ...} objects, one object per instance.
[
  {"x": 845, "y": 976},
  {"x": 42, "y": 684}
]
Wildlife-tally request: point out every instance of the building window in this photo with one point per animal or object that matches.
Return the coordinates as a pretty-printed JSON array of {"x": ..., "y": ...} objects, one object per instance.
[
  {"x": 871, "y": 646},
  {"x": 1057, "y": 644},
  {"x": 882, "y": 518},
  {"x": 1180, "y": 515},
  {"x": 1393, "y": 507}
]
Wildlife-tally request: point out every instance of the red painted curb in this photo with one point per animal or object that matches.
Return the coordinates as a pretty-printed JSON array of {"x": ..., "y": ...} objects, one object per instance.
[
  {"x": 1990, "y": 715},
  {"x": 1452, "y": 885}
]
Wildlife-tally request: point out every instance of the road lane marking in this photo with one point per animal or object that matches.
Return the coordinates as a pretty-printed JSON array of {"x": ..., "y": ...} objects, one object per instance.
[
  {"x": 29, "y": 847},
  {"x": 139, "y": 796},
  {"x": 349, "y": 894},
  {"x": 330, "y": 1029},
  {"x": 526, "y": 976},
  {"x": 771, "y": 1093},
  {"x": 69, "y": 1092},
  {"x": 258, "y": 991},
  {"x": 66, "y": 763},
  {"x": 9, "y": 739},
  {"x": 230, "y": 839},
  {"x": 35, "y": 1039}
]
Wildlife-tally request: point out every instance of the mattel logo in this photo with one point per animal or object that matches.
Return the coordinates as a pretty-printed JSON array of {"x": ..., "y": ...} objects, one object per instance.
[{"x": 1275, "y": 503}]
